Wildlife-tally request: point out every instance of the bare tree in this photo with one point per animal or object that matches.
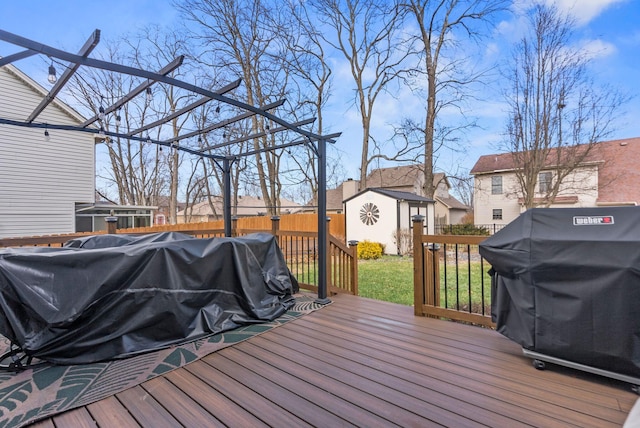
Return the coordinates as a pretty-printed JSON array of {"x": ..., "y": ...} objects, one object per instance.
[
  {"x": 368, "y": 34},
  {"x": 557, "y": 113},
  {"x": 152, "y": 48},
  {"x": 246, "y": 38},
  {"x": 446, "y": 68},
  {"x": 134, "y": 170}
]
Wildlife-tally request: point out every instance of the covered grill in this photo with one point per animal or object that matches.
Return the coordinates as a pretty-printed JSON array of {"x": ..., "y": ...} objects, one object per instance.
[
  {"x": 108, "y": 297},
  {"x": 566, "y": 285}
]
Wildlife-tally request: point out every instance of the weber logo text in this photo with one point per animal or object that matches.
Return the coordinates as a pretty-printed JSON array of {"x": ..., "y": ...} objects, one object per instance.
[{"x": 588, "y": 220}]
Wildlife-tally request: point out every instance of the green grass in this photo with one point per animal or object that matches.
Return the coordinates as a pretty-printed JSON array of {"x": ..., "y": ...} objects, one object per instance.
[{"x": 389, "y": 278}]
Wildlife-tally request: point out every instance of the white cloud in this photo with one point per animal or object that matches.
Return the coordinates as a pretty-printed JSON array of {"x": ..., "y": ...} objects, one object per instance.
[
  {"x": 584, "y": 10},
  {"x": 596, "y": 48}
]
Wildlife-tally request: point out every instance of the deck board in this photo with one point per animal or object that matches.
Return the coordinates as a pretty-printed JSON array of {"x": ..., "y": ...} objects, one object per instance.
[{"x": 360, "y": 362}]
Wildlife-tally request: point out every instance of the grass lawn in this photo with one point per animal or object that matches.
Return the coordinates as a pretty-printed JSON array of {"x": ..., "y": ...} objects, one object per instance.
[{"x": 389, "y": 278}]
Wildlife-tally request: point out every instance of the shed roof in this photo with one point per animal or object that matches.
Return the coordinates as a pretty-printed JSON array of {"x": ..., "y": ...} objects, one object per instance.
[{"x": 395, "y": 194}]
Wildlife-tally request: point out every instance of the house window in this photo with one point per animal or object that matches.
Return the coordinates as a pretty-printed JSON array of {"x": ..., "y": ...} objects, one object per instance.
[
  {"x": 496, "y": 185},
  {"x": 497, "y": 214},
  {"x": 544, "y": 182}
]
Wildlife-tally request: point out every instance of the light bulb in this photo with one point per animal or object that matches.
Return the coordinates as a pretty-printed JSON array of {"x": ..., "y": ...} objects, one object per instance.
[
  {"x": 46, "y": 135},
  {"x": 101, "y": 113},
  {"x": 52, "y": 75},
  {"x": 118, "y": 120},
  {"x": 149, "y": 95}
]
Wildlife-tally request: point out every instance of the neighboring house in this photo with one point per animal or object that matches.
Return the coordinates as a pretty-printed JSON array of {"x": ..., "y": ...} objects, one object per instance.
[
  {"x": 407, "y": 178},
  {"x": 42, "y": 180},
  {"x": 382, "y": 215},
  {"x": 609, "y": 177},
  {"x": 246, "y": 206}
]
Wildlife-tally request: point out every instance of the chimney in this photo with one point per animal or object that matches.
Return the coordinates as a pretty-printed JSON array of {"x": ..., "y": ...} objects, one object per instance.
[{"x": 349, "y": 188}]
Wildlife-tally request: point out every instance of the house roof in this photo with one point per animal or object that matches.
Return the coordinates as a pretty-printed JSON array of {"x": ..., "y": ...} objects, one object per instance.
[
  {"x": 400, "y": 176},
  {"x": 395, "y": 194},
  {"x": 35, "y": 86},
  {"x": 618, "y": 172},
  {"x": 334, "y": 198},
  {"x": 452, "y": 203},
  {"x": 247, "y": 206}
]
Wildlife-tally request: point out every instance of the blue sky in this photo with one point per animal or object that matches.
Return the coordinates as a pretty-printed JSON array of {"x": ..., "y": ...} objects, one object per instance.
[{"x": 609, "y": 27}]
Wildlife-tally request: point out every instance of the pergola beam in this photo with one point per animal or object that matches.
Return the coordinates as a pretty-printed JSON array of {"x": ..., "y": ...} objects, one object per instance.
[
  {"x": 16, "y": 57},
  {"x": 86, "y": 49},
  {"x": 201, "y": 101},
  {"x": 118, "y": 68},
  {"x": 257, "y": 135},
  {"x": 225, "y": 122},
  {"x": 177, "y": 62}
]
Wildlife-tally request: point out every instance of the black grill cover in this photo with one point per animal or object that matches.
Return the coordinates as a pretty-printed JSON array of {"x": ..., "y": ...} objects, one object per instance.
[
  {"x": 106, "y": 297},
  {"x": 567, "y": 284}
]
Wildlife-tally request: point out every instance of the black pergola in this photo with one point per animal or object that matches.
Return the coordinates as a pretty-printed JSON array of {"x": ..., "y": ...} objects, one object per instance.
[{"x": 316, "y": 142}]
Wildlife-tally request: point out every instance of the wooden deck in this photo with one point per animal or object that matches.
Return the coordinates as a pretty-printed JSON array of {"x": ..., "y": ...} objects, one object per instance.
[{"x": 364, "y": 363}]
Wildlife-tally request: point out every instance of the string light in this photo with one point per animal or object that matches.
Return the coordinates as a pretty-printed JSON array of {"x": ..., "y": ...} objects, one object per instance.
[
  {"x": 149, "y": 95},
  {"x": 148, "y": 139},
  {"x": 118, "y": 119},
  {"x": 47, "y": 137},
  {"x": 267, "y": 130},
  {"x": 101, "y": 109},
  {"x": 52, "y": 78},
  {"x": 101, "y": 132}
]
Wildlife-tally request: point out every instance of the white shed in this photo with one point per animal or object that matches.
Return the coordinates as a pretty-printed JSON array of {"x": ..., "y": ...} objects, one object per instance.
[
  {"x": 41, "y": 179},
  {"x": 380, "y": 215}
]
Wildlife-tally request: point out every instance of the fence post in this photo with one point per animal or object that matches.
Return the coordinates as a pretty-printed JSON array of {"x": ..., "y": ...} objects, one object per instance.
[
  {"x": 234, "y": 226},
  {"x": 418, "y": 264}
]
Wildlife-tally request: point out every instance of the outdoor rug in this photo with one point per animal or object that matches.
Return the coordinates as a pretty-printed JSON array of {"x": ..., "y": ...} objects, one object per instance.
[{"x": 50, "y": 389}]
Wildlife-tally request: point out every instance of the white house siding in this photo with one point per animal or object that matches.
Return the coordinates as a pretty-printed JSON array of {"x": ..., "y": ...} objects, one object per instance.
[
  {"x": 382, "y": 230},
  {"x": 484, "y": 202},
  {"x": 582, "y": 184},
  {"x": 40, "y": 181}
]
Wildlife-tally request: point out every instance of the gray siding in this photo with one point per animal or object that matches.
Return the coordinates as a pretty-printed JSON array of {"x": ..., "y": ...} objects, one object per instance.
[{"x": 40, "y": 181}]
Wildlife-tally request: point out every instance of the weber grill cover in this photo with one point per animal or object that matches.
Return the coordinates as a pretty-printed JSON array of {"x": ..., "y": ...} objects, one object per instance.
[
  {"x": 567, "y": 284},
  {"x": 107, "y": 297}
]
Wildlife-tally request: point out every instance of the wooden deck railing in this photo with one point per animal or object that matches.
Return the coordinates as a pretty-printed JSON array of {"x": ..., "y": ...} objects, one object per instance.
[
  {"x": 300, "y": 250},
  {"x": 450, "y": 277}
]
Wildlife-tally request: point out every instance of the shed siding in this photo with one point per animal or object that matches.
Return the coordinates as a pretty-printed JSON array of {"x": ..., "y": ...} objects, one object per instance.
[
  {"x": 382, "y": 230},
  {"x": 40, "y": 181}
]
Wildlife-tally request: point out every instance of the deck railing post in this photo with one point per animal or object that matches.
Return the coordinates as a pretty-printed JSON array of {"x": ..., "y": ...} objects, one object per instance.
[
  {"x": 353, "y": 245},
  {"x": 329, "y": 255},
  {"x": 275, "y": 225},
  {"x": 432, "y": 276},
  {"x": 418, "y": 264},
  {"x": 234, "y": 226},
  {"x": 112, "y": 223}
]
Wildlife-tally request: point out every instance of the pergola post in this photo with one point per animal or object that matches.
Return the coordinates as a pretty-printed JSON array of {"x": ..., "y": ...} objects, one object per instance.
[
  {"x": 322, "y": 223},
  {"x": 226, "y": 206}
]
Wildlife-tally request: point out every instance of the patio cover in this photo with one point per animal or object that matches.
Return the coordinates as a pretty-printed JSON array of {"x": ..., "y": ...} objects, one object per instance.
[
  {"x": 113, "y": 296},
  {"x": 567, "y": 284}
]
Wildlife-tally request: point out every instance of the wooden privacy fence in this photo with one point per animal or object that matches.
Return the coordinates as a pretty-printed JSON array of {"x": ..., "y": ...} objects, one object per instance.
[
  {"x": 450, "y": 277},
  {"x": 300, "y": 247}
]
